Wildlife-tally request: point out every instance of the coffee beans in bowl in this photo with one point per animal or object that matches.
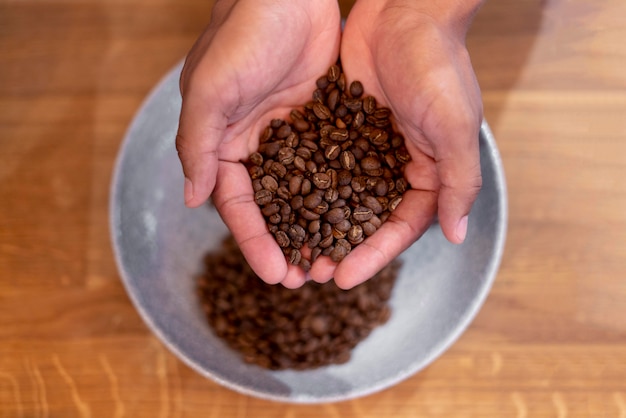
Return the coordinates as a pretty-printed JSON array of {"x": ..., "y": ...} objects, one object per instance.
[
  {"x": 331, "y": 176},
  {"x": 279, "y": 328}
]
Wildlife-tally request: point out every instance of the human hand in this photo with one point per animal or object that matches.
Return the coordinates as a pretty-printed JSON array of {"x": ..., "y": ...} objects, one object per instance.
[
  {"x": 256, "y": 60},
  {"x": 411, "y": 56}
]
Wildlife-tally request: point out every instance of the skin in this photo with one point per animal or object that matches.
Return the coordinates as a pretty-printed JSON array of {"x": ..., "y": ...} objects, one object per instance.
[
  {"x": 258, "y": 59},
  {"x": 411, "y": 56}
]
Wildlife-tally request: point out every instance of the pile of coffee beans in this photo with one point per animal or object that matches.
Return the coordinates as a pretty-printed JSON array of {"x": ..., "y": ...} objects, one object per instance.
[
  {"x": 279, "y": 328},
  {"x": 329, "y": 178}
]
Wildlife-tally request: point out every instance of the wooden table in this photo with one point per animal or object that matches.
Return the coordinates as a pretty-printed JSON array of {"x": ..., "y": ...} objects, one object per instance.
[{"x": 550, "y": 340}]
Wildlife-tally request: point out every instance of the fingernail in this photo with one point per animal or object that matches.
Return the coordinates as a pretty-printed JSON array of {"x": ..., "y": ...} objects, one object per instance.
[
  {"x": 188, "y": 190},
  {"x": 461, "y": 229}
]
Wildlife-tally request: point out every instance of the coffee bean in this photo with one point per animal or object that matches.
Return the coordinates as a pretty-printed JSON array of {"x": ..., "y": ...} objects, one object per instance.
[
  {"x": 308, "y": 215},
  {"x": 295, "y": 184},
  {"x": 295, "y": 256},
  {"x": 341, "y": 111},
  {"x": 306, "y": 187},
  {"x": 327, "y": 241},
  {"x": 362, "y": 214},
  {"x": 269, "y": 183},
  {"x": 334, "y": 72},
  {"x": 338, "y": 254},
  {"x": 263, "y": 197},
  {"x": 282, "y": 239},
  {"x": 372, "y": 203},
  {"x": 343, "y": 226},
  {"x": 368, "y": 228},
  {"x": 331, "y": 152},
  {"x": 347, "y": 159},
  {"x": 322, "y": 82},
  {"x": 333, "y": 99},
  {"x": 355, "y": 234},
  {"x": 297, "y": 202},
  {"x": 283, "y": 132},
  {"x": 331, "y": 195},
  {"x": 393, "y": 205},
  {"x": 335, "y": 215},
  {"x": 314, "y": 240},
  {"x": 356, "y": 89},
  {"x": 321, "y": 111},
  {"x": 353, "y": 105},
  {"x": 312, "y": 200},
  {"x": 339, "y": 135},
  {"x": 369, "y": 105},
  {"x": 321, "y": 180}
]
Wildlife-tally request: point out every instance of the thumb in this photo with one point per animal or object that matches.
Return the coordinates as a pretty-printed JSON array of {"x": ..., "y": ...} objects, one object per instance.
[
  {"x": 200, "y": 132},
  {"x": 458, "y": 165}
]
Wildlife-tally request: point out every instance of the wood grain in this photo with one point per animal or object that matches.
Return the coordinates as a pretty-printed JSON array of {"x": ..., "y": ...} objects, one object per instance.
[{"x": 549, "y": 342}]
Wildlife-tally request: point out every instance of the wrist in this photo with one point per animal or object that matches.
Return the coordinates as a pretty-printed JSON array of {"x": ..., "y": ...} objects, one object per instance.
[{"x": 453, "y": 15}]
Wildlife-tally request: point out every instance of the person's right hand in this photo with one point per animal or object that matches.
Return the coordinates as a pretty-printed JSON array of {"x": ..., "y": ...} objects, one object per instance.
[{"x": 255, "y": 61}]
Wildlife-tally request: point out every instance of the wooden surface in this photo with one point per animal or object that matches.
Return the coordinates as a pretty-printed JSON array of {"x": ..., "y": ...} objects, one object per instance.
[{"x": 550, "y": 340}]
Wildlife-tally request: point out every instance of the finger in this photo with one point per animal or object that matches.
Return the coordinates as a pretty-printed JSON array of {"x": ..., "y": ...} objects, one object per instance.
[
  {"x": 323, "y": 269},
  {"x": 458, "y": 165},
  {"x": 295, "y": 278},
  {"x": 405, "y": 225},
  {"x": 200, "y": 131},
  {"x": 234, "y": 199}
]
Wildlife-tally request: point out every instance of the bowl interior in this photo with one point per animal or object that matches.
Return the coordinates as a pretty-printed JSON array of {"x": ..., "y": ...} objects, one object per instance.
[{"x": 159, "y": 246}]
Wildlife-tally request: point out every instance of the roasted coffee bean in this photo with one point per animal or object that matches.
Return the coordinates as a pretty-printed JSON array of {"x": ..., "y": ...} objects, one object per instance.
[
  {"x": 347, "y": 159},
  {"x": 333, "y": 99},
  {"x": 315, "y": 252},
  {"x": 321, "y": 181},
  {"x": 341, "y": 111},
  {"x": 270, "y": 209},
  {"x": 276, "y": 123},
  {"x": 321, "y": 111},
  {"x": 369, "y": 105},
  {"x": 334, "y": 72},
  {"x": 356, "y": 89},
  {"x": 368, "y": 228},
  {"x": 326, "y": 229},
  {"x": 355, "y": 234},
  {"x": 306, "y": 187},
  {"x": 283, "y": 132},
  {"x": 394, "y": 203},
  {"x": 343, "y": 226},
  {"x": 362, "y": 214},
  {"x": 338, "y": 253},
  {"x": 339, "y": 135},
  {"x": 297, "y": 202},
  {"x": 257, "y": 185},
  {"x": 321, "y": 208},
  {"x": 282, "y": 239},
  {"x": 353, "y": 105},
  {"x": 256, "y": 159},
  {"x": 341, "y": 83},
  {"x": 345, "y": 192},
  {"x": 332, "y": 151},
  {"x": 283, "y": 193},
  {"x": 335, "y": 215},
  {"x": 331, "y": 195},
  {"x": 315, "y": 240},
  {"x": 308, "y": 215},
  {"x": 296, "y": 233},
  {"x": 263, "y": 197},
  {"x": 370, "y": 163},
  {"x": 312, "y": 200},
  {"x": 295, "y": 256},
  {"x": 269, "y": 183},
  {"x": 327, "y": 241},
  {"x": 339, "y": 123},
  {"x": 295, "y": 184},
  {"x": 372, "y": 203}
]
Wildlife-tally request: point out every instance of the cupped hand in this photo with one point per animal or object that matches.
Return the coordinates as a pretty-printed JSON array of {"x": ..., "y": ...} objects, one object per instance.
[
  {"x": 413, "y": 60},
  {"x": 255, "y": 61}
]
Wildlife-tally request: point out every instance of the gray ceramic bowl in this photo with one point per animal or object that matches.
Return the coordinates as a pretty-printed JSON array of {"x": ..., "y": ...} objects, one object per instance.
[{"x": 159, "y": 245}]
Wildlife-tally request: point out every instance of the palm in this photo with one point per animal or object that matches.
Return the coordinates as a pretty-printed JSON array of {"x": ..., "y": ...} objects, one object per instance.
[
  {"x": 421, "y": 86},
  {"x": 256, "y": 61}
]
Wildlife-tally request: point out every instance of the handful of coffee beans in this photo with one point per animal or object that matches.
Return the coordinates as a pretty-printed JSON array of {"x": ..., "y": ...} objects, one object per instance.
[
  {"x": 329, "y": 178},
  {"x": 279, "y": 328}
]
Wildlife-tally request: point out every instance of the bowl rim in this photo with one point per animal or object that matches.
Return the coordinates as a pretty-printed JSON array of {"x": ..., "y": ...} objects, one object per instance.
[{"x": 459, "y": 328}]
